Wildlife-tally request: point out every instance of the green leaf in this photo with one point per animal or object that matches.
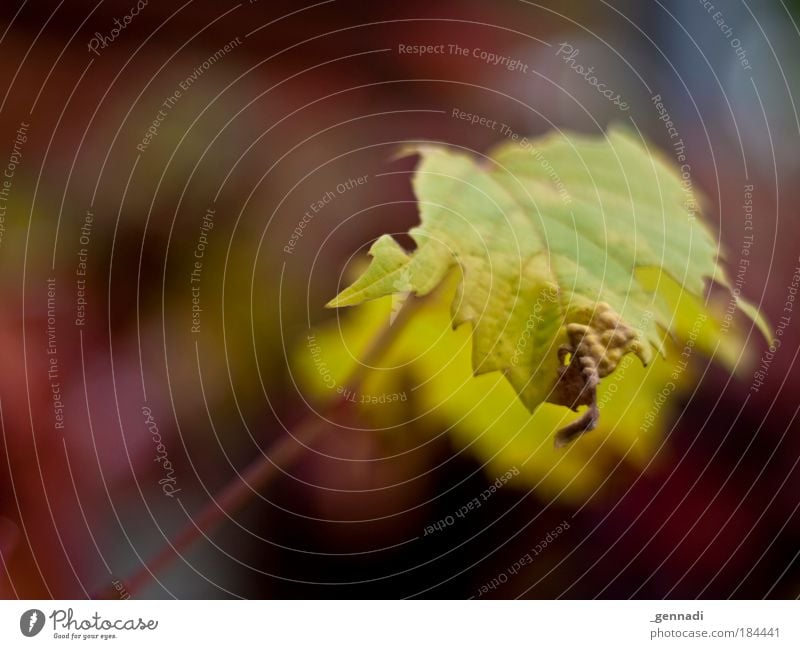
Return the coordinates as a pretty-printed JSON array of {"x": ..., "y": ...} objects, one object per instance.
[
  {"x": 547, "y": 236},
  {"x": 425, "y": 378}
]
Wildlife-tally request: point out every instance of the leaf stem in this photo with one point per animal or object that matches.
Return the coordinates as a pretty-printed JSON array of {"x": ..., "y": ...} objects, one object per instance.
[{"x": 283, "y": 453}]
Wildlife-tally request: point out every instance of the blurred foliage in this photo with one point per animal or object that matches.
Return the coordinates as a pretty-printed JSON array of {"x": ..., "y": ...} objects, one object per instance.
[{"x": 429, "y": 366}]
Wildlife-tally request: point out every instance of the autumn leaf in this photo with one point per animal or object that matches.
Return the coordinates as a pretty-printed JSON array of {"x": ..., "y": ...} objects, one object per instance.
[{"x": 548, "y": 238}]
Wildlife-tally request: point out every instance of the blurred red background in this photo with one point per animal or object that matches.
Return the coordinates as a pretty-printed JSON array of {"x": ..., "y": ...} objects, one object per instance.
[{"x": 313, "y": 95}]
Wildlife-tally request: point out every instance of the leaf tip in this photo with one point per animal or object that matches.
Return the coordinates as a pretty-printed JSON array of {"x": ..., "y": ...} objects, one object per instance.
[{"x": 757, "y": 318}]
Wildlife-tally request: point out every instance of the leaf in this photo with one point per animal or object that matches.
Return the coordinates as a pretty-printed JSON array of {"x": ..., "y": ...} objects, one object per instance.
[
  {"x": 426, "y": 378},
  {"x": 547, "y": 236}
]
